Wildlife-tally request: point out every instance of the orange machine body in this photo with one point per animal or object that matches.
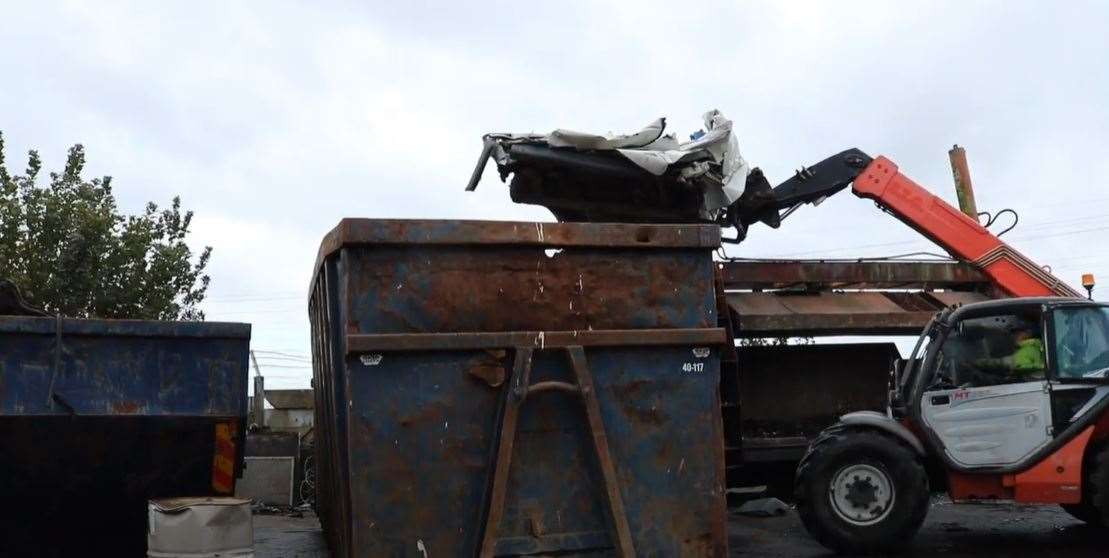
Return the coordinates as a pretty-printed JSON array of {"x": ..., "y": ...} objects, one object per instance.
[
  {"x": 960, "y": 235},
  {"x": 1056, "y": 479}
]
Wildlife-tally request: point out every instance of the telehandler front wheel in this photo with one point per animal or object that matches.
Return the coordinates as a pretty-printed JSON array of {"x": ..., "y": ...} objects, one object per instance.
[
  {"x": 1094, "y": 509},
  {"x": 861, "y": 491},
  {"x": 1084, "y": 512}
]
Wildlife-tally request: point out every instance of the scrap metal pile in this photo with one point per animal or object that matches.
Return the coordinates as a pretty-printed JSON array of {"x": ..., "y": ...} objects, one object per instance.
[
  {"x": 646, "y": 177},
  {"x": 12, "y": 302}
]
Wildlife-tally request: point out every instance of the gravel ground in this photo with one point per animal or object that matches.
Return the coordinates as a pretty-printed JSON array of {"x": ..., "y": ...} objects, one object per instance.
[
  {"x": 986, "y": 530},
  {"x": 279, "y": 536}
]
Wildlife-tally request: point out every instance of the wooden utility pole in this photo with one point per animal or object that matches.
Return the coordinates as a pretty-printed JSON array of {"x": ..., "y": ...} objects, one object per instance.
[
  {"x": 259, "y": 401},
  {"x": 964, "y": 190}
]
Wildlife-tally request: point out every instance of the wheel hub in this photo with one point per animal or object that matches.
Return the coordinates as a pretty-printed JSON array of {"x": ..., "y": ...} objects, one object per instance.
[{"x": 861, "y": 494}]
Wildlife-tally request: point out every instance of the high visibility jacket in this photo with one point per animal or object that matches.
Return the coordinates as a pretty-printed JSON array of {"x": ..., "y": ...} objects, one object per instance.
[{"x": 1029, "y": 357}]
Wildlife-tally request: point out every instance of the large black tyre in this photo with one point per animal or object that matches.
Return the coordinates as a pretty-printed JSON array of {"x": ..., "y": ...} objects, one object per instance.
[
  {"x": 1084, "y": 512},
  {"x": 861, "y": 491},
  {"x": 1094, "y": 508}
]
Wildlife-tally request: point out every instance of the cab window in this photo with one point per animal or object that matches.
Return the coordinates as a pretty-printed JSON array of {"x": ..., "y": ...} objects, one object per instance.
[
  {"x": 991, "y": 350},
  {"x": 1081, "y": 341}
]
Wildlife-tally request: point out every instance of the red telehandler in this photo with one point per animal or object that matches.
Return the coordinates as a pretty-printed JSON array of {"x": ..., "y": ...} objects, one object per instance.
[{"x": 999, "y": 400}]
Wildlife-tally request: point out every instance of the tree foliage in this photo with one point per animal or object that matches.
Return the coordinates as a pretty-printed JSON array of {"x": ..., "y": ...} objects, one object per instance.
[{"x": 72, "y": 253}]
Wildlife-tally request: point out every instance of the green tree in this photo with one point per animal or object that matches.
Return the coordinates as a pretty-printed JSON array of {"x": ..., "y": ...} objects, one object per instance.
[{"x": 72, "y": 253}]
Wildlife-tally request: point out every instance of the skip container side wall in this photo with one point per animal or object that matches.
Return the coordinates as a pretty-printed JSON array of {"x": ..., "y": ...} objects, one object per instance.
[{"x": 419, "y": 332}]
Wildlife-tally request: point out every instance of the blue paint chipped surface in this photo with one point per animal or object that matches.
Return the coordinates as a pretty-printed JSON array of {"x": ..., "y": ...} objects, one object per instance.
[
  {"x": 122, "y": 367},
  {"x": 406, "y": 439}
]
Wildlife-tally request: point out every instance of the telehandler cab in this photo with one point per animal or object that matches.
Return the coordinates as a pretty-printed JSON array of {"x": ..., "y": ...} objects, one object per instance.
[{"x": 999, "y": 400}]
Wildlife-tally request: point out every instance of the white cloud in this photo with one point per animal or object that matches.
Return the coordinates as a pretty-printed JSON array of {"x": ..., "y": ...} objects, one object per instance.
[{"x": 274, "y": 120}]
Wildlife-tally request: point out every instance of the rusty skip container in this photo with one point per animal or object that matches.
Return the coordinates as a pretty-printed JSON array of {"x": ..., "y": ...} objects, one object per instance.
[
  {"x": 510, "y": 389},
  {"x": 99, "y": 416}
]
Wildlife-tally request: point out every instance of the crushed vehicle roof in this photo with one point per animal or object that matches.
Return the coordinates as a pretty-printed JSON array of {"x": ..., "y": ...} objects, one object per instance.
[{"x": 645, "y": 176}]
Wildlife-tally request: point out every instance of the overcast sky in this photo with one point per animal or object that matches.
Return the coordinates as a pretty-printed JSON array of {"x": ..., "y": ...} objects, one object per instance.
[{"x": 274, "y": 120}]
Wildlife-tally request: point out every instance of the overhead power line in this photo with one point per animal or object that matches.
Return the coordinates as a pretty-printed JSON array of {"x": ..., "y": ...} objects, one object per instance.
[
  {"x": 1017, "y": 239},
  {"x": 281, "y": 353},
  {"x": 282, "y": 357}
]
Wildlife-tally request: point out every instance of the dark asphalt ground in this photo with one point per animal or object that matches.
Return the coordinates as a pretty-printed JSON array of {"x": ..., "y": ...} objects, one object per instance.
[{"x": 981, "y": 531}]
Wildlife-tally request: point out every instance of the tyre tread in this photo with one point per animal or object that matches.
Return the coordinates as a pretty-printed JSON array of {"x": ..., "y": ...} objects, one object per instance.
[
  {"x": 1097, "y": 486},
  {"x": 833, "y": 438}
]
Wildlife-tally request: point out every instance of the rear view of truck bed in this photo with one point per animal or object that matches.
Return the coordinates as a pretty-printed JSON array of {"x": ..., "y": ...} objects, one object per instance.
[{"x": 97, "y": 416}]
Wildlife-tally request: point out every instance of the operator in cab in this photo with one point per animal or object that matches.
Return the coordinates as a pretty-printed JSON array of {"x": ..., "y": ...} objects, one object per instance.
[{"x": 1027, "y": 362}]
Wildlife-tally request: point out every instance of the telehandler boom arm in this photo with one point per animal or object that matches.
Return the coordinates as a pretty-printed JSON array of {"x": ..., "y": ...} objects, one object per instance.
[{"x": 880, "y": 180}]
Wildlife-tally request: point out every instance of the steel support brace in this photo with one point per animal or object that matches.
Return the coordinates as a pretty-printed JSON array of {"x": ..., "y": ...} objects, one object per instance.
[{"x": 519, "y": 387}]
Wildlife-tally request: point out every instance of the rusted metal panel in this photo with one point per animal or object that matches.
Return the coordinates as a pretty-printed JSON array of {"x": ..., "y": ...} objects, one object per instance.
[
  {"x": 432, "y": 430},
  {"x": 823, "y": 313},
  {"x": 618, "y": 287},
  {"x": 379, "y": 232},
  {"x": 916, "y": 301},
  {"x": 906, "y": 323},
  {"x": 814, "y": 298},
  {"x": 729, "y": 376},
  {"x": 791, "y": 391},
  {"x": 956, "y": 298},
  {"x": 814, "y": 274}
]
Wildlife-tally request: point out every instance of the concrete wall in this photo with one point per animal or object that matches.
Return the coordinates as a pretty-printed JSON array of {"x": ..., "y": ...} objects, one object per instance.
[
  {"x": 269, "y": 480},
  {"x": 290, "y": 420}
]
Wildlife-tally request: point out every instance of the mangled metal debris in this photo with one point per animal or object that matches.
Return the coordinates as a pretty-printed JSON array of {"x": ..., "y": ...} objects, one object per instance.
[
  {"x": 12, "y": 302},
  {"x": 647, "y": 176}
]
